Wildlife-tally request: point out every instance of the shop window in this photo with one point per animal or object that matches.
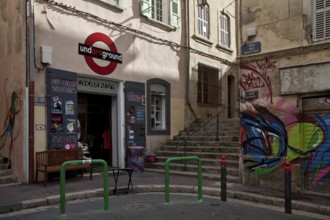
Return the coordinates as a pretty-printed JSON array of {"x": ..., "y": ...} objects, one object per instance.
[
  {"x": 164, "y": 11},
  {"x": 321, "y": 19},
  {"x": 158, "y": 107},
  {"x": 208, "y": 86},
  {"x": 203, "y": 21},
  {"x": 224, "y": 31}
]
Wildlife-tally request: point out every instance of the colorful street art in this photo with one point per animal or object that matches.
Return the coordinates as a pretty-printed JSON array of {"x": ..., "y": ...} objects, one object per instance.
[
  {"x": 275, "y": 132},
  {"x": 9, "y": 134}
]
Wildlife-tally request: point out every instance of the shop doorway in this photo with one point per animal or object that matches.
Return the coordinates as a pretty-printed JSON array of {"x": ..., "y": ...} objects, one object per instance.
[{"x": 94, "y": 114}]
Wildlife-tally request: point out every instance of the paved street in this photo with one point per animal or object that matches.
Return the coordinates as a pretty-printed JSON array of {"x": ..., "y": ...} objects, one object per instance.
[{"x": 151, "y": 206}]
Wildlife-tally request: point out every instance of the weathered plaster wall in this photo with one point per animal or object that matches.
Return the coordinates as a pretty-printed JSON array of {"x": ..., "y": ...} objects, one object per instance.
[
  {"x": 12, "y": 81},
  {"x": 279, "y": 24}
]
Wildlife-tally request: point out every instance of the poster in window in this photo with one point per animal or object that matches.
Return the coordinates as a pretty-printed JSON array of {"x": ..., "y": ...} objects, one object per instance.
[
  {"x": 69, "y": 107},
  {"x": 56, "y": 104},
  {"x": 71, "y": 125},
  {"x": 56, "y": 123}
]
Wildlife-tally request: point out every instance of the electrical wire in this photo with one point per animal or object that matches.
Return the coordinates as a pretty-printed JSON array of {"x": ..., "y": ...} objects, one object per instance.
[{"x": 134, "y": 31}]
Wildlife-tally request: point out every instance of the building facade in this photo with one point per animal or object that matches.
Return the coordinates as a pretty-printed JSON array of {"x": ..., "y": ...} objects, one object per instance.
[
  {"x": 284, "y": 63},
  {"x": 117, "y": 76}
]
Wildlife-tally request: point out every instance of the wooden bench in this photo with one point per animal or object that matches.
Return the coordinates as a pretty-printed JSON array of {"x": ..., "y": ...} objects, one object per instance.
[{"x": 50, "y": 161}]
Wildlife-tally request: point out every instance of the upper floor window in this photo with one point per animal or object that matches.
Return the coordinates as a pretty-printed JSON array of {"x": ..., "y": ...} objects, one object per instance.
[
  {"x": 203, "y": 21},
  {"x": 158, "y": 99},
  {"x": 321, "y": 21},
  {"x": 113, "y": 2},
  {"x": 224, "y": 30},
  {"x": 208, "y": 86},
  {"x": 165, "y": 11}
]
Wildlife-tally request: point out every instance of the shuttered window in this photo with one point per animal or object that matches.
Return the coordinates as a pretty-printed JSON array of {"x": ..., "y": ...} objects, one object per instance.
[
  {"x": 165, "y": 11},
  {"x": 224, "y": 31},
  {"x": 203, "y": 21},
  {"x": 321, "y": 19}
]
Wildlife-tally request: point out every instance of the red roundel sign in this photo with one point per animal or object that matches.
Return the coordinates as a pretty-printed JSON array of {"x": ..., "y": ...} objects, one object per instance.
[{"x": 89, "y": 52}]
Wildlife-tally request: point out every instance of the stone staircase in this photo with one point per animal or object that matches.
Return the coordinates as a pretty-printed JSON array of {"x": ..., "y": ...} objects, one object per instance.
[
  {"x": 6, "y": 174},
  {"x": 205, "y": 145}
]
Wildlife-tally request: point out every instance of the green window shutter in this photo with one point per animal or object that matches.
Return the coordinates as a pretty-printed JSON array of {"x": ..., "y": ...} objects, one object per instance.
[
  {"x": 175, "y": 13},
  {"x": 146, "y": 8}
]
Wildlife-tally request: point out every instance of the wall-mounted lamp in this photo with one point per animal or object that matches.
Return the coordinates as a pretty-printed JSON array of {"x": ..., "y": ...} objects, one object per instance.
[{"x": 201, "y": 2}]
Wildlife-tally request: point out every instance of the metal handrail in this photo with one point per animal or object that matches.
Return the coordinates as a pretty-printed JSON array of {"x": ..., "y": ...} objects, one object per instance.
[{"x": 203, "y": 125}]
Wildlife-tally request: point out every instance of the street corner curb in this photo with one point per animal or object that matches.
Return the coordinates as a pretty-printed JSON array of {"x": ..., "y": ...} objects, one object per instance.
[
  {"x": 91, "y": 193},
  {"x": 10, "y": 207},
  {"x": 75, "y": 196},
  {"x": 157, "y": 188},
  {"x": 318, "y": 209},
  {"x": 32, "y": 203},
  {"x": 52, "y": 200},
  {"x": 142, "y": 188},
  {"x": 250, "y": 197},
  {"x": 182, "y": 189}
]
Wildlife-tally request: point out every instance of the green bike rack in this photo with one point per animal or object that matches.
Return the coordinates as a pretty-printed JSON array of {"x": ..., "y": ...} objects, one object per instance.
[
  {"x": 167, "y": 178},
  {"x": 79, "y": 162}
]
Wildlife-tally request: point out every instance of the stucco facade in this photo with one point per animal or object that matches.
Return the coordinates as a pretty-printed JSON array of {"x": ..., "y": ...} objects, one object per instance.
[
  {"x": 284, "y": 80},
  {"x": 13, "y": 84},
  {"x": 124, "y": 68}
]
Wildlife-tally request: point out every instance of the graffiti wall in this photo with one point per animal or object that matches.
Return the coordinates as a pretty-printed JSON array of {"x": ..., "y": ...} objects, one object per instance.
[
  {"x": 275, "y": 130},
  {"x": 11, "y": 99},
  {"x": 12, "y": 83}
]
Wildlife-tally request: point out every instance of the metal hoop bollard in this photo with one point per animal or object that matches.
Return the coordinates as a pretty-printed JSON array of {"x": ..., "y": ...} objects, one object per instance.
[
  {"x": 167, "y": 178},
  {"x": 78, "y": 162}
]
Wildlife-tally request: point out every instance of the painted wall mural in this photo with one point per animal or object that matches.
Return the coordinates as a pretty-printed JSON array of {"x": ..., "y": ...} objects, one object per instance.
[
  {"x": 11, "y": 100},
  {"x": 273, "y": 131}
]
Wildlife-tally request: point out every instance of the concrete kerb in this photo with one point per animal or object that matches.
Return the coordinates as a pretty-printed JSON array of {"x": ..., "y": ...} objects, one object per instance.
[{"x": 208, "y": 191}]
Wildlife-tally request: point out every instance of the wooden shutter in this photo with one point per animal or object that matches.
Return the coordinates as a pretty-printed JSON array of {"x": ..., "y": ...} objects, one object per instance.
[{"x": 321, "y": 19}]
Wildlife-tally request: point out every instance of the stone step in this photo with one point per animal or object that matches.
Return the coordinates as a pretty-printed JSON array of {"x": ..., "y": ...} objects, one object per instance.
[
  {"x": 3, "y": 166},
  {"x": 193, "y": 168},
  {"x": 215, "y": 177},
  {"x": 4, "y": 172},
  {"x": 186, "y": 133},
  {"x": 213, "y": 149},
  {"x": 205, "y": 161},
  {"x": 209, "y": 143},
  {"x": 203, "y": 155},
  {"x": 8, "y": 179},
  {"x": 207, "y": 138},
  {"x": 205, "y": 143}
]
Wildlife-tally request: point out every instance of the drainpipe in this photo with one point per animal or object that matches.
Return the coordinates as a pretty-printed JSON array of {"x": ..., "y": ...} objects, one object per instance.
[
  {"x": 30, "y": 77},
  {"x": 188, "y": 50},
  {"x": 188, "y": 57}
]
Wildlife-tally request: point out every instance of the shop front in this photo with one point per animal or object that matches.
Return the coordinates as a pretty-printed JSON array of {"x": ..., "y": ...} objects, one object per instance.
[{"x": 83, "y": 111}]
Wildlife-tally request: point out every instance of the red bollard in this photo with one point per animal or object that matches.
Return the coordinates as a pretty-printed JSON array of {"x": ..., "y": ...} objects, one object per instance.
[
  {"x": 287, "y": 186},
  {"x": 223, "y": 178}
]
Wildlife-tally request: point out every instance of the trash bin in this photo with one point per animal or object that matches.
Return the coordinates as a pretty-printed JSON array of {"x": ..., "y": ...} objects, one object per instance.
[{"x": 136, "y": 155}]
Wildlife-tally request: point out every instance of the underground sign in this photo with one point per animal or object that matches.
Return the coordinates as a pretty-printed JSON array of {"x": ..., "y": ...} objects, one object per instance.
[{"x": 89, "y": 52}]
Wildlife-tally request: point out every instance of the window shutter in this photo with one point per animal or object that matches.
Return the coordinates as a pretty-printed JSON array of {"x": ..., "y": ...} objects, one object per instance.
[
  {"x": 175, "y": 13},
  {"x": 146, "y": 8},
  {"x": 224, "y": 30},
  {"x": 322, "y": 19}
]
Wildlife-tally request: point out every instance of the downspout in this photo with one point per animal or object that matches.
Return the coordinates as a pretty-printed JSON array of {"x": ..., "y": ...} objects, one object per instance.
[
  {"x": 30, "y": 63},
  {"x": 188, "y": 58}
]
